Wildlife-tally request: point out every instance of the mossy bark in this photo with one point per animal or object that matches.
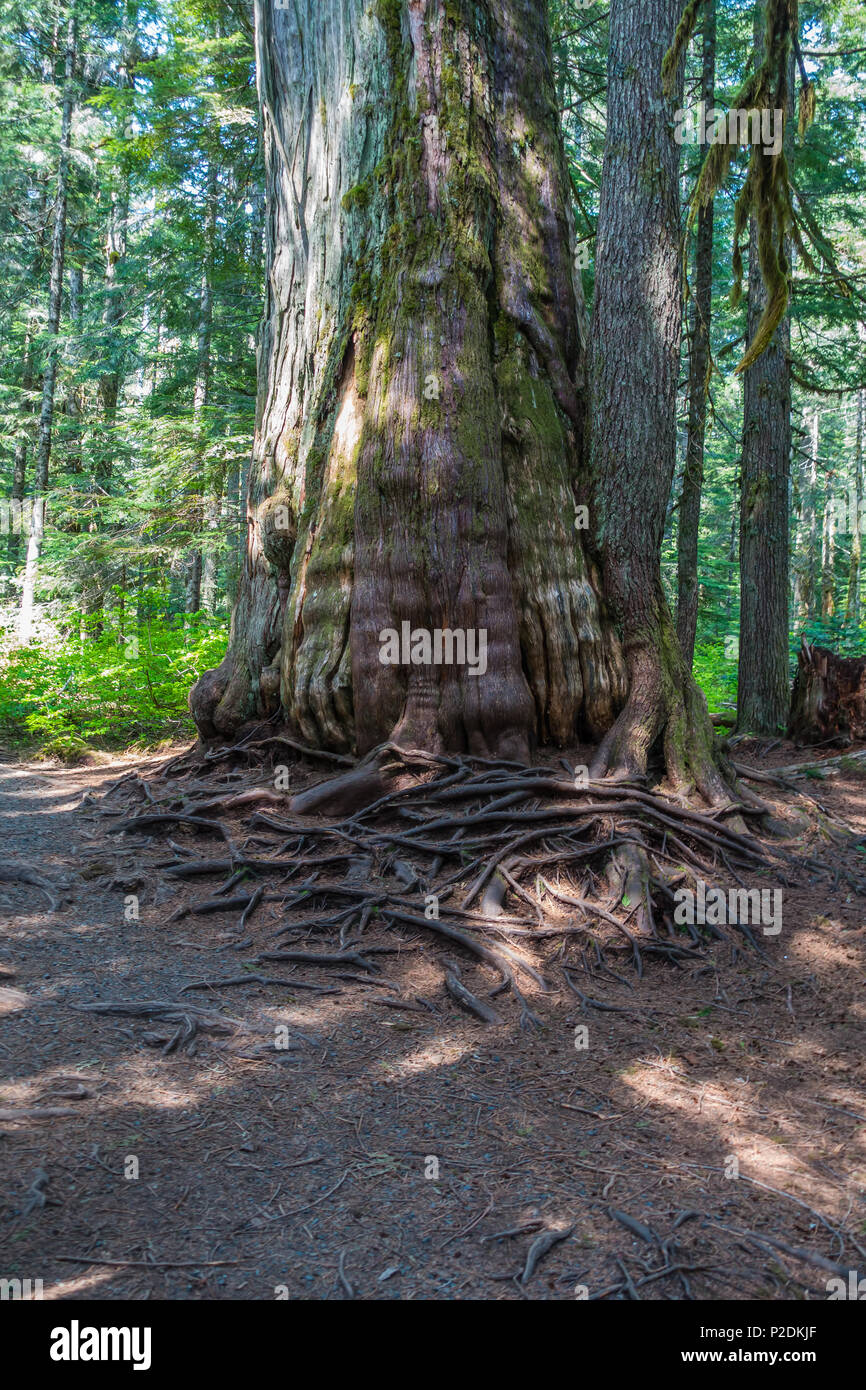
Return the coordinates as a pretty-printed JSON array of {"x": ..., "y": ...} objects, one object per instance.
[{"x": 419, "y": 452}]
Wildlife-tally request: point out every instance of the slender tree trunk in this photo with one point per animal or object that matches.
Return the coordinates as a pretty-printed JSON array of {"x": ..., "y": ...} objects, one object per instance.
[
  {"x": 236, "y": 482},
  {"x": 419, "y": 446},
  {"x": 121, "y": 614},
  {"x": 852, "y": 606},
  {"x": 49, "y": 378},
  {"x": 19, "y": 466},
  {"x": 108, "y": 389},
  {"x": 74, "y": 404},
  {"x": 192, "y": 588},
  {"x": 212, "y": 509},
  {"x": 234, "y": 512},
  {"x": 634, "y": 363},
  {"x": 828, "y": 551},
  {"x": 806, "y": 530},
  {"x": 805, "y": 567},
  {"x": 732, "y": 559},
  {"x": 28, "y": 399},
  {"x": 195, "y": 563},
  {"x": 699, "y": 364},
  {"x": 19, "y": 483},
  {"x": 764, "y": 687},
  {"x": 763, "y": 694}
]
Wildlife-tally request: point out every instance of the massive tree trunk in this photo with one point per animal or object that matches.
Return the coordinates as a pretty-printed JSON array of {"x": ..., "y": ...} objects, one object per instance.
[
  {"x": 419, "y": 452},
  {"x": 49, "y": 375},
  {"x": 634, "y": 360},
  {"x": 699, "y": 362}
]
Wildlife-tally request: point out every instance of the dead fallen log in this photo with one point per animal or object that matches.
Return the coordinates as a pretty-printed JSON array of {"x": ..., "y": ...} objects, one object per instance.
[{"x": 829, "y": 697}]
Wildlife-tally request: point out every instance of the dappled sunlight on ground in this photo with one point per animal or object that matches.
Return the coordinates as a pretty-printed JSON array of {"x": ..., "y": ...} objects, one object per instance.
[{"x": 380, "y": 1121}]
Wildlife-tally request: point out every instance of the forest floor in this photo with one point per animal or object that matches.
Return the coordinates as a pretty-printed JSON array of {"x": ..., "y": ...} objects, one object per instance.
[{"x": 398, "y": 1147}]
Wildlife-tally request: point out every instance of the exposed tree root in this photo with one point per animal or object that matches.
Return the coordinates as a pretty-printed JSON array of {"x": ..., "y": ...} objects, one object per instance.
[
  {"x": 489, "y": 855},
  {"x": 465, "y": 998},
  {"x": 188, "y": 1020},
  {"x": 19, "y": 873},
  {"x": 666, "y": 712}
]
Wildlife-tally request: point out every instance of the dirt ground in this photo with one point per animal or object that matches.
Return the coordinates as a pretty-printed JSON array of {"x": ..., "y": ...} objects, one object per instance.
[{"x": 706, "y": 1142}]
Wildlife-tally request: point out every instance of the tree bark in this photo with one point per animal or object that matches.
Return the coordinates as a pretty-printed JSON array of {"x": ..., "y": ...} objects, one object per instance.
[
  {"x": 828, "y": 551},
  {"x": 195, "y": 562},
  {"x": 634, "y": 362},
  {"x": 238, "y": 475},
  {"x": 852, "y": 606},
  {"x": 212, "y": 509},
  {"x": 49, "y": 377},
  {"x": 108, "y": 393},
  {"x": 804, "y": 565},
  {"x": 699, "y": 363},
  {"x": 763, "y": 690},
  {"x": 419, "y": 447},
  {"x": 764, "y": 687},
  {"x": 74, "y": 404},
  {"x": 19, "y": 466},
  {"x": 28, "y": 394}
]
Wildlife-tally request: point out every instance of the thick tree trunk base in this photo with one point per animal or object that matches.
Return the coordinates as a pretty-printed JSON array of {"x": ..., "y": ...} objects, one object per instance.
[
  {"x": 419, "y": 454},
  {"x": 665, "y": 713},
  {"x": 829, "y": 697}
]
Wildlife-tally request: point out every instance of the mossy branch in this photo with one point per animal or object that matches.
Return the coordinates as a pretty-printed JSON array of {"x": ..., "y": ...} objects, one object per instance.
[
  {"x": 684, "y": 31},
  {"x": 808, "y": 101},
  {"x": 766, "y": 194}
]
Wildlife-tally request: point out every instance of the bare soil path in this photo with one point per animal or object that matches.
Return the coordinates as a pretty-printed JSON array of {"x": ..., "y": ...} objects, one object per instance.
[{"x": 712, "y": 1126}]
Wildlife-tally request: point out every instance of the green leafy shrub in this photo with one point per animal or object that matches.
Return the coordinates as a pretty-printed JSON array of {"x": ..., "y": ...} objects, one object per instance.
[
  {"x": 107, "y": 688},
  {"x": 716, "y": 674}
]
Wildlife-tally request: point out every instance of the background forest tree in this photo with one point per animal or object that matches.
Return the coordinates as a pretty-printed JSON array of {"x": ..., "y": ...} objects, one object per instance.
[{"x": 133, "y": 217}]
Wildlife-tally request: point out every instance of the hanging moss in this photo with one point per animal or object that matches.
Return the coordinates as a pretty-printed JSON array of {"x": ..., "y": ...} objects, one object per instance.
[
  {"x": 766, "y": 192},
  {"x": 684, "y": 31},
  {"x": 807, "y": 107}
]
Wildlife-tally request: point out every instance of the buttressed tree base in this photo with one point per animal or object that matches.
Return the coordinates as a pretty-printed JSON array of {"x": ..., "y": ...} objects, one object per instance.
[{"x": 420, "y": 453}]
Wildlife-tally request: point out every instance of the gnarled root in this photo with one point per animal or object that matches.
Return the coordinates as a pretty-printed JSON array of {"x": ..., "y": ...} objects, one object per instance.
[
  {"x": 483, "y": 854},
  {"x": 666, "y": 708}
]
